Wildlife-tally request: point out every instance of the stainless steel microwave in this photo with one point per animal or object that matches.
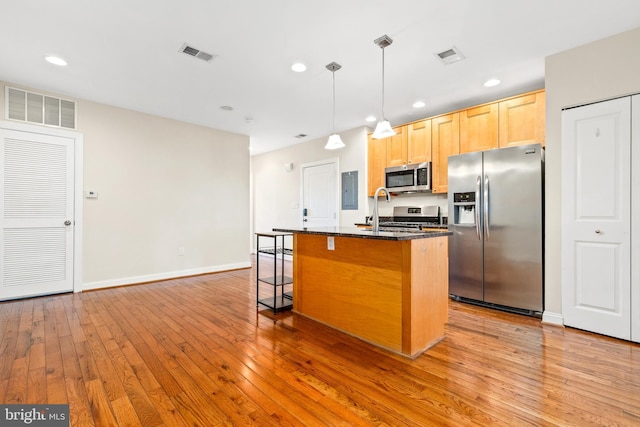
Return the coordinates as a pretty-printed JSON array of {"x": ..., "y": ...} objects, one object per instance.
[{"x": 408, "y": 178}]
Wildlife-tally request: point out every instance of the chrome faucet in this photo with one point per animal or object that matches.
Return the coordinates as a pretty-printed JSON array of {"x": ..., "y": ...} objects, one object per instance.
[{"x": 375, "y": 220}]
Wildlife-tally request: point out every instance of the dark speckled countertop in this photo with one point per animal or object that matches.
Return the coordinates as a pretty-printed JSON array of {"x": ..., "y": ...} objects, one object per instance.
[{"x": 361, "y": 233}]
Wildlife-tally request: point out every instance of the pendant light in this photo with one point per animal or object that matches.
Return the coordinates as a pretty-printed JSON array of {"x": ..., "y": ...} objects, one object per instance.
[
  {"x": 334, "y": 141},
  {"x": 383, "y": 128}
]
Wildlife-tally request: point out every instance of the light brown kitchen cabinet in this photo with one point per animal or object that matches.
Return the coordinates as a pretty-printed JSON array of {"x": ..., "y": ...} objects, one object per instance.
[
  {"x": 504, "y": 123},
  {"x": 397, "y": 147},
  {"x": 376, "y": 162},
  {"x": 419, "y": 141},
  {"x": 445, "y": 142},
  {"x": 411, "y": 144},
  {"x": 479, "y": 128},
  {"x": 522, "y": 119}
]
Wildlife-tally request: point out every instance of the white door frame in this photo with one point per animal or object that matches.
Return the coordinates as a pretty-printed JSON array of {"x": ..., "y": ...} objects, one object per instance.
[
  {"x": 635, "y": 219},
  {"x": 78, "y": 149},
  {"x": 335, "y": 161}
]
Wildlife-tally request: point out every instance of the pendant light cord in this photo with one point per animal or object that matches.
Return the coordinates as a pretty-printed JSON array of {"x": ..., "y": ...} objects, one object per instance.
[
  {"x": 333, "y": 73},
  {"x": 383, "y": 84}
]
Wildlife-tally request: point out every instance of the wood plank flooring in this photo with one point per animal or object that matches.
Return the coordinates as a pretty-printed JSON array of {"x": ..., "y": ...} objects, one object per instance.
[{"x": 195, "y": 351}]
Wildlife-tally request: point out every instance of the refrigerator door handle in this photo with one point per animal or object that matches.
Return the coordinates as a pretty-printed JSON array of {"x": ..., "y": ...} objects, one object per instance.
[
  {"x": 486, "y": 207},
  {"x": 477, "y": 207}
]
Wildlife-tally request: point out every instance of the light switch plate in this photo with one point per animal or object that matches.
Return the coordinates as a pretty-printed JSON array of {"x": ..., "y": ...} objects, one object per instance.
[{"x": 331, "y": 243}]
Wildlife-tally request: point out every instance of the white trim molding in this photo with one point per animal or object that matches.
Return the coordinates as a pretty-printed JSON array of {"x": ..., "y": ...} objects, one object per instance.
[
  {"x": 552, "y": 318},
  {"x": 134, "y": 280}
]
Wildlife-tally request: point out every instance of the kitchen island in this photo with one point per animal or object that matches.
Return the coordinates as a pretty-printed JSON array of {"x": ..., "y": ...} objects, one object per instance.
[{"x": 386, "y": 288}]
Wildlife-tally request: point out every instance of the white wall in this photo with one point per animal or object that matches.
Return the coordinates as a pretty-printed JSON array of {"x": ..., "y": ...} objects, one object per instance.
[
  {"x": 162, "y": 184},
  {"x": 276, "y": 193},
  {"x": 597, "y": 71}
]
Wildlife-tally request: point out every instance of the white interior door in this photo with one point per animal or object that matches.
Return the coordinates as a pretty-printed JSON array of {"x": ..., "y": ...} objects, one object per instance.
[
  {"x": 596, "y": 221},
  {"x": 320, "y": 194},
  {"x": 37, "y": 205}
]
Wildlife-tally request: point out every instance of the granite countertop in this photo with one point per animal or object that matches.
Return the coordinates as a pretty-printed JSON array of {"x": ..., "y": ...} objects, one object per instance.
[
  {"x": 360, "y": 233},
  {"x": 441, "y": 226}
]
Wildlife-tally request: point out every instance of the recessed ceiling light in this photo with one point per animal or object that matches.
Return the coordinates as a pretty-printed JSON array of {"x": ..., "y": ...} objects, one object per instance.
[
  {"x": 371, "y": 119},
  {"x": 419, "y": 104},
  {"x": 299, "y": 67},
  {"x": 226, "y": 108},
  {"x": 55, "y": 60},
  {"x": 492, "y": 82}
]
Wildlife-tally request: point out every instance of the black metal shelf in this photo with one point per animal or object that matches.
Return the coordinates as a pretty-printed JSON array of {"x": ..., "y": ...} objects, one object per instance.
[
  {"x": 277, "y": 281},
  {"x": 281, "y": 300},
  {"x": 277, "y": 304}
]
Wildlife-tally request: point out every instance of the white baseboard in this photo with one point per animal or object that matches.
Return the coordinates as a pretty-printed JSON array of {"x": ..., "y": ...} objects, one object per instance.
[
  {"x": 552, "y": 318},
  {"x": 270, "y": 256},
  {"x": 162, "y": 276}
]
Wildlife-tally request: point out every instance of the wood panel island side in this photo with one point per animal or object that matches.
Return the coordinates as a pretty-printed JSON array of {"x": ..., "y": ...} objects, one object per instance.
[{"x": 386, "y": 288}]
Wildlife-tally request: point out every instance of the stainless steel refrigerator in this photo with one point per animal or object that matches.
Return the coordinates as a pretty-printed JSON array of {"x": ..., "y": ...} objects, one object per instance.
[{"x": 496, "y": 216}]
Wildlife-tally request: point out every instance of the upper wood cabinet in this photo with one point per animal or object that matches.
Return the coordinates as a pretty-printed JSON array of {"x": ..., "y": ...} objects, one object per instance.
[
  {"x": 419, "y": 141},
  {"x": 522, "y": 120},
  {"x": 411, "y": 144},
  {"x": 479, "y": 128},
  {"x": 445, "y": 142},
  {"x": 376, "y": 162},
  {"x": 504, "y": 123},
  {"x": 397, "y": 147}
]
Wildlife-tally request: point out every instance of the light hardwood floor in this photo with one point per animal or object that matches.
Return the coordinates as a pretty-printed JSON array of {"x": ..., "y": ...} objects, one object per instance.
[{"x": 194, "y": 351}]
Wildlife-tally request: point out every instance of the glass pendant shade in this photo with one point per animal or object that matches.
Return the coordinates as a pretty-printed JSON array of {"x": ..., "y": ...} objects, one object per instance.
[
  {"x": 334, "y": 142},
  {"x": 383, "y": 130}
]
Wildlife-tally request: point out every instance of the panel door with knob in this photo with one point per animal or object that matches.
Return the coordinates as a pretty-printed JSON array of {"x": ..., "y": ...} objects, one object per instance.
[
  {"x": 37, "y": 206},
  {"x": 320, "y": 194},
  {"x": 596, "y": 217}
]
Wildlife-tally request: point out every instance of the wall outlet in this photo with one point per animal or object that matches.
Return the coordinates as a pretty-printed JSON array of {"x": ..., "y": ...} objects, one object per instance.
[
  {"x": 331, "y": 243},
  {"x": 181, "y": 251}
]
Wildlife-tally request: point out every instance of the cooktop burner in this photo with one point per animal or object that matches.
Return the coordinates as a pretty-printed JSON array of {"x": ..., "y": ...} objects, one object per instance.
[{"x": 414, "y": 217}]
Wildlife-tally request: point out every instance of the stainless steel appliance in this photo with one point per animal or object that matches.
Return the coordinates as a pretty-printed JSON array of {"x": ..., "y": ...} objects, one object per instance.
[
  {"x": 408, "y": 178},
  {"x": 496, "y": 216},
  {"x": 414, "y": 216}
]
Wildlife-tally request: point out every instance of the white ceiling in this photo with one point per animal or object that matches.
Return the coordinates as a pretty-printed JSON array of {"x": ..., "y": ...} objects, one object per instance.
[{"x": 127, "y": 53}]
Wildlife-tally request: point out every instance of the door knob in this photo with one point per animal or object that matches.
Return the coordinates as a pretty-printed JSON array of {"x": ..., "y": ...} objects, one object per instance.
[
  {"x": 598, "y": 231},
  {"x": 67, "y": 222}
]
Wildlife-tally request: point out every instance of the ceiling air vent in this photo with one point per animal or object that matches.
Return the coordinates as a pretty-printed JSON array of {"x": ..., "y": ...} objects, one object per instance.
[
  {"x": 192, "y": 51},
  {"x": 450, "y": 56},
  {"x": 37, "y": 108}
]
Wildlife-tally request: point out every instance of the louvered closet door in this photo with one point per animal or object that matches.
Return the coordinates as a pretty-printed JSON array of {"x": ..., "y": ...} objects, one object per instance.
[{"x": 36, "y": 203}]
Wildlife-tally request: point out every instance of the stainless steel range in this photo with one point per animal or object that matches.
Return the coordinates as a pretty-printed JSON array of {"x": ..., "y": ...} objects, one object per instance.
[{"x": 414, "y": 217}]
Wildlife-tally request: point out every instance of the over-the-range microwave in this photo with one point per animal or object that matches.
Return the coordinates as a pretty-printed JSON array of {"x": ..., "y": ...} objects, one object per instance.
[{"x": 408, "y": 178}]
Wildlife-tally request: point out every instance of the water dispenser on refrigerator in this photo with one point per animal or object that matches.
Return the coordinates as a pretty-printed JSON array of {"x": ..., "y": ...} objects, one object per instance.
[{"x": 464, "y": 208}]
